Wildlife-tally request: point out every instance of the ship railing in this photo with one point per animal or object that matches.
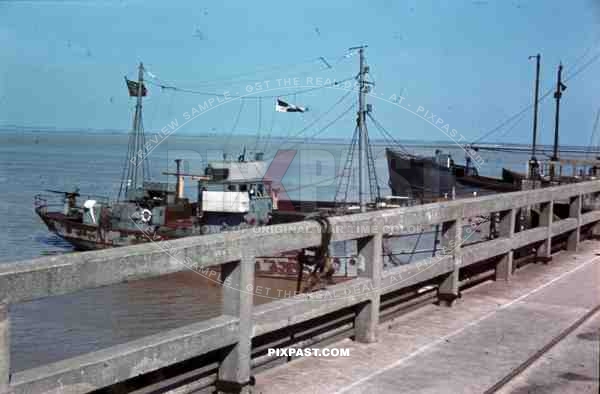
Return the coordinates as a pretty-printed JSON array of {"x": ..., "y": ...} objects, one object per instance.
[
  {"x": 224, "y": 350},
  {"x": 44, "y": 202},
  {"x": 55, "y": 201}
]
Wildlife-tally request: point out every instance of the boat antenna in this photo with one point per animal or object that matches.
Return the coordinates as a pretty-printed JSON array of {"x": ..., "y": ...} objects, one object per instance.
[
  {"x": 533, "y": 163},
  {"x": 560, "y": 87},
  {"x": 137, "y": 165}
]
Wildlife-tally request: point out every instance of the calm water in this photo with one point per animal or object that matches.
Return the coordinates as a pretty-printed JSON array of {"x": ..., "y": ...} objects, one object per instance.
[{"x": 53, "y": 329}]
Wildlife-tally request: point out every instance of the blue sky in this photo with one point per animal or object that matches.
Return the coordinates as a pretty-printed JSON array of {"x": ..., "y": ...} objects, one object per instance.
[{"x": 62, "y": 62}]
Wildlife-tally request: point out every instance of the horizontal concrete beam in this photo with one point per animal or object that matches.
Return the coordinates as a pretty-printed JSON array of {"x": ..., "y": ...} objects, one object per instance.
[
  {"x": 55, "y": 275},
  {"x": 412, "y": 274},
  {"x": 473, "y": 254},
  {"x": 395, "y": 221},
  {"x": 98, "y": 369},
  {"x": 563, "y": 226},
  {"x": 293, "y": 310},
  {"x": 528, "y": 237},
  {"x": 590, "y": 217}
]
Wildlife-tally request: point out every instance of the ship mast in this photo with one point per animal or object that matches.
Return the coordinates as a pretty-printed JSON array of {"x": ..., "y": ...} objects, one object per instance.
[
  {"x": 560, "y": 87},
  {"x": 533, "y": 163},
  {"x": 136, "y": 167},
  {"x": 366, "y": 163},
  {"x": 360, "y": 121}
]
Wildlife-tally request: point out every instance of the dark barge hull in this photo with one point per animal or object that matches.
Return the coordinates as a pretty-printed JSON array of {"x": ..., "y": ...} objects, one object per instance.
[
  {"x": 418, "y": 177},
  {"x": 425, "y": 178}
]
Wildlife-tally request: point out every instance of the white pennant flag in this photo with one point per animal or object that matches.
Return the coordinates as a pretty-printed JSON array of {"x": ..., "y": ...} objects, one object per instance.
[{"x": 282, "y": 106}]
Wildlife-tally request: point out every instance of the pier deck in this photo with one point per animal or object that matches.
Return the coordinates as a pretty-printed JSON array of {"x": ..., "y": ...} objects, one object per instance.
[{"x": 495, "y": 328}]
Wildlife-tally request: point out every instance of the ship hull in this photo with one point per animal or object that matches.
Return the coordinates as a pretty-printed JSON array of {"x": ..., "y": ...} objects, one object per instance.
[
  {"x": 84, "y": 237},
  {"x": 418, "y": 177},
  {"x": 426, "y": 179}
]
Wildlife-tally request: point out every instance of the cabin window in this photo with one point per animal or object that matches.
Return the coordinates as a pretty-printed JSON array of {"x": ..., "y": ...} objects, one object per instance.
[
  {"x": 243, "y": 187},
  {"x": 231, "y": 188}
]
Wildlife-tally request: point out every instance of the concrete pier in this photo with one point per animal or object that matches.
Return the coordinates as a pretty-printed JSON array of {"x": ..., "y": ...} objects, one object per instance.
[
  {"x": 572, "y": 366},
  {"x": 4, "y": 349},
  {"x": 489, "y": 331}
]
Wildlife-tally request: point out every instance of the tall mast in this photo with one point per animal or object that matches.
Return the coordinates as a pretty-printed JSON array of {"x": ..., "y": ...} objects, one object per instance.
[
  {"x": 360, "y": 122},
  {"x": 533, "y": 163},
  {"x": 136, "y": 161},
  {"x": 560, "y": 87}
]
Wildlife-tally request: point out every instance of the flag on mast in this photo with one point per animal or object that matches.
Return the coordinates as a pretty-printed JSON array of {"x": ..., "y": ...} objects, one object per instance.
[
  {"x": 282, "y": 106},
  {"x": 132, "y": 86}
]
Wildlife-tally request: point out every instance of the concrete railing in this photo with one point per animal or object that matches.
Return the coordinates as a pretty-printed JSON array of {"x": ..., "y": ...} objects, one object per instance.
[{"x": 235, "y": 252}]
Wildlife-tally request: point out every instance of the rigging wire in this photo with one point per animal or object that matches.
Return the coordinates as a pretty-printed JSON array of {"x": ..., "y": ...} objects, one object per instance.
[
  {"x": 268, "y": 137},
  {"x": 311, "y": 184},
  {"x": 508, "y": 130},
  {"x": 374, "y": 188},
  {"x": 235, "y": 77},
  {"x": 203, "y": 93},
  {"x": 544, "y": 96},
  {"x": 347, "y": 172},
  {"x": 328, "y": 125},
  {"x": 327, "y": 112},
  {"x": 385, "y": 133},
  {"x": 510, "y": 119},
  {"x": 259, "y": 125},
  {"x": 593, "y": 135},
  {"x": 235, "y": 124}
]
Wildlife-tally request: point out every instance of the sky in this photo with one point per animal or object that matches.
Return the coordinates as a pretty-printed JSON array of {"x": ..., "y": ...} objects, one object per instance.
[{"x": 465, "y": 61}]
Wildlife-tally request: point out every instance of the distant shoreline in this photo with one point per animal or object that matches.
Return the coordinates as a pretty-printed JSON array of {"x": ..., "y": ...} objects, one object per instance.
[{"x": 409, "y": 142}]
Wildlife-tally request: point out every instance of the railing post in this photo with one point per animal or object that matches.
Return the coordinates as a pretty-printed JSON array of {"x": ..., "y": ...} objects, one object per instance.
[
  {"x": 4, "y": 349},
  {"x": 448, "y": 291},
  {"x": 238, "y": 300},
  {"x": 544, "y": 252},
  {"x": 506, "y": 229},
  {"x": 574, "y": 212},
  {"x": 595, "y": 205},
  {"x": 367, "y": 318}
]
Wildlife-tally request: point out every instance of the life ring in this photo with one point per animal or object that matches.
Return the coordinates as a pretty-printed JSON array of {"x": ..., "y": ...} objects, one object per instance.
[{"x": 146, "y": 215}]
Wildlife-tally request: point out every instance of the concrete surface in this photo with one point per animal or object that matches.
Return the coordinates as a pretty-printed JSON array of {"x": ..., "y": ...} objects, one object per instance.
[
  {"x": 493, "y": 329},
  {"x": 572, "y": 366}
]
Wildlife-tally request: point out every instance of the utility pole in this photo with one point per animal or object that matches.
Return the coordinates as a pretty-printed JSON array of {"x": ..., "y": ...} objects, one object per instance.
[
  {"x": 533, "y": 163},
  {"x": 560, "y": 87},
  {"x": 363, "y": 89}
]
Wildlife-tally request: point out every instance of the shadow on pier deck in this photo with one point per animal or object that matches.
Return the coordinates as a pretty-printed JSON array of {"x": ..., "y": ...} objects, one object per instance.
[{"x": 470, "y": 347}]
